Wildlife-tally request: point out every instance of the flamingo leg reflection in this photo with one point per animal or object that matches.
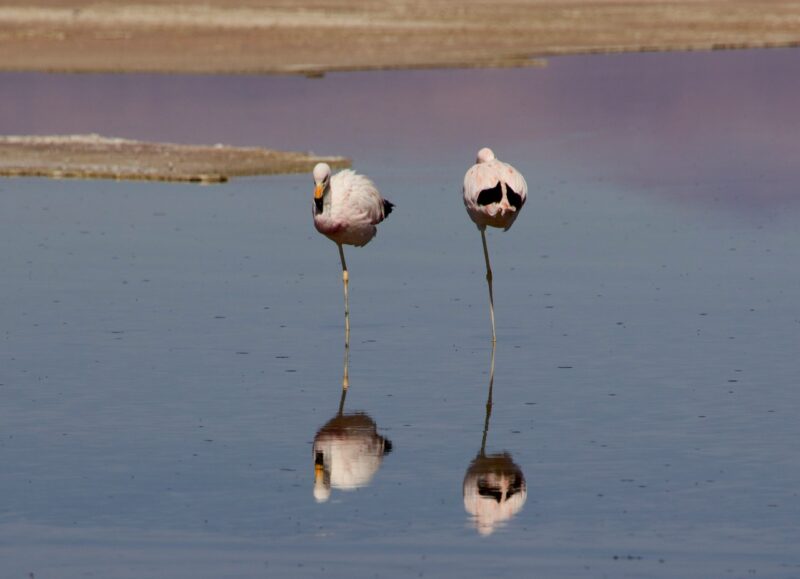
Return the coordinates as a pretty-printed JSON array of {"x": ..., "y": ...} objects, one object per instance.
[
  {"x": 341, "y": 401},
  {"x": 488, "y": 404}
]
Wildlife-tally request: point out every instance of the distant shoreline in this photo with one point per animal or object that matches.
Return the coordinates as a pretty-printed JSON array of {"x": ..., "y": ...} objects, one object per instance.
[{"x": 245, "y": 37}]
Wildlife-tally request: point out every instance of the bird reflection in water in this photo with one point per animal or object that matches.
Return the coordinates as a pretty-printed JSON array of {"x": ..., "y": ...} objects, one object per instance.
[
  {"x": 494, "y": 486},
  {"x": 348, "y": 451}
]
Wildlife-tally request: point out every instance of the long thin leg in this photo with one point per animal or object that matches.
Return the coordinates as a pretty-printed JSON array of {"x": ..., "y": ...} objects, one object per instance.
[
  {"x": 489, "y": 281},
  {"x": 345, "y": 280}
]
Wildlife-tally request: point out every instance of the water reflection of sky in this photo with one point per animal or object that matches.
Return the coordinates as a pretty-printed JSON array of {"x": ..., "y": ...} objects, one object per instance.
[
  {"x": 715, "y": 125},
  {"x": 170, "y": 351}
]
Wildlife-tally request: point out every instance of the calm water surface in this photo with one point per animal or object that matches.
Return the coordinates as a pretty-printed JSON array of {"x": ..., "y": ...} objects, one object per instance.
[{"x": 172, "y": 354}]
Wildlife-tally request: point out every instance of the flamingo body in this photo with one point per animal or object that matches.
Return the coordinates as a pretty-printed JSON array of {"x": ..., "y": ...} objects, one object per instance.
[
  {"x": 494, "y": 192},
  {"x": 349, "y": 209}
]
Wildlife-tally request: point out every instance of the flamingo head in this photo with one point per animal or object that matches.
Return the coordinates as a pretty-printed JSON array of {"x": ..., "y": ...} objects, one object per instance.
[
  {"x": 322, "y": 179},
  {"x": 485, "y": 155}
]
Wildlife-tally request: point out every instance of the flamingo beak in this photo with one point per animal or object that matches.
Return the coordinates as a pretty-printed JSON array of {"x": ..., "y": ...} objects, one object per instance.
[
  {"x": 319, "y": 471},
  {"x": 318, "y": 190}
]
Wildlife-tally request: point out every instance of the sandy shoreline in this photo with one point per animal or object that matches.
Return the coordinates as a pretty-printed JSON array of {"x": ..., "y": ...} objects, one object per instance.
[
  {"x": 96, "y": 157},
  {"x": 246, "y": 36}
]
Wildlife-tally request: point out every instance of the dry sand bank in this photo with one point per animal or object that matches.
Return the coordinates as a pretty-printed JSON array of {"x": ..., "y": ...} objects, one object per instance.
[
  {"x": 283, "y": 36},
  {"x": 92, "y": 156}
]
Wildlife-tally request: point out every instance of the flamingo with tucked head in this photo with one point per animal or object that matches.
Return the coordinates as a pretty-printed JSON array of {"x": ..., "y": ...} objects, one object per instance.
[
  {"x": 347, "y": 207},
  {"x": 494, "y": 194}
]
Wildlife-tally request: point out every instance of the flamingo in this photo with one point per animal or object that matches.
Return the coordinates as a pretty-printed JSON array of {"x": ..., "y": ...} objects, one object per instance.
[
  {"x": 494, "y": 193},
  {"x": 347, "y": 207}
]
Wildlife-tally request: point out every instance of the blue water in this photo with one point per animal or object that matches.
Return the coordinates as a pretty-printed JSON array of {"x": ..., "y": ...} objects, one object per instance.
[{"x": 170, "y": 352}]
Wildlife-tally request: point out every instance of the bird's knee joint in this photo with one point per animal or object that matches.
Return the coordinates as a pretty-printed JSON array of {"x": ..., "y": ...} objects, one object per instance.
[{"x": 345, "y": 277}]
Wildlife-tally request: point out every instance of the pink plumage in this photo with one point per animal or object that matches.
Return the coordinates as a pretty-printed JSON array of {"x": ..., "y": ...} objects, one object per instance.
[
  {"x": 494, "y": 191},
  {"x": 350, "y": 207}
]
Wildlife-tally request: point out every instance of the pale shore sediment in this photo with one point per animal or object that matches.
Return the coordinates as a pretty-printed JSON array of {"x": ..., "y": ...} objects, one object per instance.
[
  {"x": 93, "y": 156},
  {"x": 302, "y": 37}
]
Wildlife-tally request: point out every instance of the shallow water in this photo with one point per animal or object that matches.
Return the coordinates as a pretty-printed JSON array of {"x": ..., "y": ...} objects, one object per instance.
[{"x": 170, "y": 352}]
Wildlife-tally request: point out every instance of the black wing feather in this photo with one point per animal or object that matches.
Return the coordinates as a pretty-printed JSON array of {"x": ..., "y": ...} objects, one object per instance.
[
  {"x": 489, "y": 196},
  {"x": 514, "y": 198}
]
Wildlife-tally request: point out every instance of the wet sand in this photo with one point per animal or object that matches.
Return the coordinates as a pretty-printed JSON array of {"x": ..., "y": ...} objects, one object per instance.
[
  {"x": 92, "y": 156},
  {"x": 245, "y": 36}
]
